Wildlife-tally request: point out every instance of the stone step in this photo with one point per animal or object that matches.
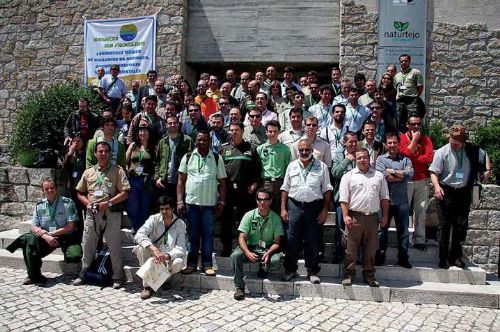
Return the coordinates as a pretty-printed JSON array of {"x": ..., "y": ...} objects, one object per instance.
[
  {"x": 487, "y": 296},
  {"x": 421, "y": 271}
]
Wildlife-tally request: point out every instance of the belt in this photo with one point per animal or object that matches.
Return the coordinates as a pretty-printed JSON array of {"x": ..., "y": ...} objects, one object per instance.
[
  {"x": 272, "y": 179},
  {"x": 363, "y": 213},
  {"x": 298, "y": 203}
]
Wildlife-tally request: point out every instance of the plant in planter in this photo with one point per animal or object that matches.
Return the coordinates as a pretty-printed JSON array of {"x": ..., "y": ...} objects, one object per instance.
[
  {"x": 487, "y": 138},
  {"x": 40, "y": 121}
]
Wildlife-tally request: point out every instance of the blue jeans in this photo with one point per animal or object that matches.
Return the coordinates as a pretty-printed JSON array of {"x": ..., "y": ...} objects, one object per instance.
[
  {"x": 303, "y": 226},
  {"x": 339, "y": 227},
  {"x": 139, "y": 201},
  {"x": 401, "y": 216},
  {"x": 201, "y": 220}
]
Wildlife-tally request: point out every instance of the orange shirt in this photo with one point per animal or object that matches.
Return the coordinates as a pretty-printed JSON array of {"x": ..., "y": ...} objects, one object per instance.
[{"x": 208, "y": 106}]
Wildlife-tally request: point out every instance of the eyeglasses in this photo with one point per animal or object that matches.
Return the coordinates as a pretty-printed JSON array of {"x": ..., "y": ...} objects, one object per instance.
[
  {"x": 222, "y": 104},
  {"x": 376, "y": 108},
  {"x": 415, "y": 124},
  {"x": 263, "y": 200},
  {"x": 311, "y": 125},
  {"x": 304, "y": 150},
  {"x": 254, "y": 116},
  {"x": 244, "y": 79},
  {"x": 202, "y": 86},
  {"x": 193, "y": 110}
]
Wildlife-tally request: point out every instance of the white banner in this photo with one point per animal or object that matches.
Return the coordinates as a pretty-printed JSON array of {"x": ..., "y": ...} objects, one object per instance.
[
  {"x": 129, "y": 43},
  {"x": 402, "y": 28}
]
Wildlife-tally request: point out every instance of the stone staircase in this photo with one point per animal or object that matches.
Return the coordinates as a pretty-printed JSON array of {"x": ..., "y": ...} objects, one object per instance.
[{"x": 424, "y": 283}]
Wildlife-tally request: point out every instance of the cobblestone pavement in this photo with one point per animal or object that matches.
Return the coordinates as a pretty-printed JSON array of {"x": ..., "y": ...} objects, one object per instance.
[{"x": 59, "y": 306}]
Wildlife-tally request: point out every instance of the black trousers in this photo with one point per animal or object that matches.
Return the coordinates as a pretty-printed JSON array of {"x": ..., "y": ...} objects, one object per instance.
[{"x": 455, "y": 208}]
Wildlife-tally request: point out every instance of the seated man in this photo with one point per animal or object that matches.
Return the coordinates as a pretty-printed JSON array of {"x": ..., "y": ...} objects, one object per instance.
[
  {"x": 53, "y": 225},
  {"x": 259, "y": 241},
  {"x": 163, "y": 237}
]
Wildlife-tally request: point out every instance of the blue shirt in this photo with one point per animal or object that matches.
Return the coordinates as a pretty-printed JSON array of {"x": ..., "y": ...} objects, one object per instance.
[
  {"x": 57, "y": 215},
  {"x": 397, "y": 189}
]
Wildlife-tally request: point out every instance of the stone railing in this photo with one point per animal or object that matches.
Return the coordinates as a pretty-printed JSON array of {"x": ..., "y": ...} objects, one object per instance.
[{"x": 483, "y": 238}]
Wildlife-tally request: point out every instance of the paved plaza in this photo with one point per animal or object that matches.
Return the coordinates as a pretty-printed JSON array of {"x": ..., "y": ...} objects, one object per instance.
[{"x": 59, "y": 306}]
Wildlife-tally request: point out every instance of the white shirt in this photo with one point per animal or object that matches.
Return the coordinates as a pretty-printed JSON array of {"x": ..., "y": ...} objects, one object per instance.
[
  {"x": 288, "y": 137},
  {"x": 306, "y": 184},
  {"x": 117, "y": 90},
  {"x": 321, "y": 151},
  {"x": 322, "y": 113},
  {"x": 334, "y": 136},
  {"x": 267, "y": 116},
  {"x": 363, "y": 191}
]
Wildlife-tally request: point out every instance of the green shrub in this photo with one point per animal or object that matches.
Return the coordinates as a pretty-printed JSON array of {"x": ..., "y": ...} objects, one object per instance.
[
  {"x": 488, "y": 138},
  {"x": 39, "y": 123},
  {"x": 436, "y": 131}
]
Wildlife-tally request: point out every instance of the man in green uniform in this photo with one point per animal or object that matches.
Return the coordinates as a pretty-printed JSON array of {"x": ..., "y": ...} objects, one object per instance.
[
  {"x": 259, "y": 241},
  {"x": 52, "y": 226},
  {"x": 241, "y": 165},
  {"x": 274, "y": 158}
]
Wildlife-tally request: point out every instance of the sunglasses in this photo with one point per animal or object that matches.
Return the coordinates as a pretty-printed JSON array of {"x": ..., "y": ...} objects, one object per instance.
[
  {"x": 263, "y": 199},
  {"x": 311, "y": 125},
  {"x": 223, "y": 104},
  {"x": 193, "y": 110},
  {"x": 254, "y": 116}
]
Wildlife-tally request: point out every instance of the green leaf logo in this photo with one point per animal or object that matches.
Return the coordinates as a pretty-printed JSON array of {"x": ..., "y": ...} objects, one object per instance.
[{"x": 401, "y": 26}]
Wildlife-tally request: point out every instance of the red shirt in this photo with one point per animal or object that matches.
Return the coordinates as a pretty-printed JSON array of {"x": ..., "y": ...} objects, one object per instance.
[{"x": 422, "y": 158}]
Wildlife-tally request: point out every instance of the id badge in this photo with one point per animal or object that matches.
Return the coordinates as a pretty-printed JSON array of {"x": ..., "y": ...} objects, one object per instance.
[
  {"x": 164, "y": 249},
  {"x": 139, "y": 169},
  {"x": 198, "y": 179},
  {"x": 235, "y": 185},
  {"x": 262, "y": 244},
  {"x": 402, "y": 87},
  {"x": 74, "y": 175},
  {"x": 98, "y": 193},
  {"x": 459, "y": 175},
  {"x": 52, "y": 229}
]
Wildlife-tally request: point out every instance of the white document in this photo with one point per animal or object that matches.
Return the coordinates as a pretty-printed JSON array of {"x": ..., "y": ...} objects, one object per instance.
[{"x": 153, "y": 274}]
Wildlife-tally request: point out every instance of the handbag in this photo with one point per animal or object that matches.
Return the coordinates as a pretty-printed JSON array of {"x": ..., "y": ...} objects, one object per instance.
[{"x": 100, "y": 271}]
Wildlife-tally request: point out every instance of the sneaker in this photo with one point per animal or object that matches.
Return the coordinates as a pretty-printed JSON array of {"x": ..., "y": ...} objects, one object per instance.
[
  {"x": 78, "y": 282},
  {"x": 289, "y": 276},
  {"x": 372, "y": 282},
  {"x": 147, "y": 293},
  {"x": 239, "y": 294},
  {"x": 210, "y": 272},
  {"x": 404, "y": 263},
  {"x": 443, "y": 263},
  {"x": 188, "y": 270},
  {"x": 458, "y": 263},
  {"x": 347, "y": 281},
  {"x": 117, "y": 284},
  {"x": 314, "y": 279}
]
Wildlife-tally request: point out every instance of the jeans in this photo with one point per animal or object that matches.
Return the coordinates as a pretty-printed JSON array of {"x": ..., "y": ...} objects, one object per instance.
[
  {"x": 303, "y": 227},
  {"x": 139, "y": 201},
  {"x": 400, "y": 214},
  {"x": 201, "y": 221},
  {"x": 339, "y": 227}
]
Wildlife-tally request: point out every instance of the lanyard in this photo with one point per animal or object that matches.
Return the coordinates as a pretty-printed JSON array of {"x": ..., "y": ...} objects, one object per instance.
[
  {"x": 324, "y": 115},
  {"x": 306, "y": 172},
  {"x": 101, "y": 176},
  {"x": 261, "y": 226},
  {"x": 298, "y": 136},
  {"x": 355, "y": 114},
  {"x": 141, "y": 155},
  {"x": 52, "y": 210}
]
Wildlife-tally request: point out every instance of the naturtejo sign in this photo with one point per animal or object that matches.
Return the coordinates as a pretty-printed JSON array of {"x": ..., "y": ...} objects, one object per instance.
[
  {"x": 402, "y": 29},
  {"x": 129, "y": 43}
]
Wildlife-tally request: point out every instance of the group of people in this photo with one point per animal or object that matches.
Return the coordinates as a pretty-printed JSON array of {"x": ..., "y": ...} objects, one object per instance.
[{"x": 267, "y": 158}]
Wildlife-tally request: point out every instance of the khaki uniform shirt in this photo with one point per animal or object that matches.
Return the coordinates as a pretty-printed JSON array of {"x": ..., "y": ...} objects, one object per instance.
[{"x": 102, "y": 185}]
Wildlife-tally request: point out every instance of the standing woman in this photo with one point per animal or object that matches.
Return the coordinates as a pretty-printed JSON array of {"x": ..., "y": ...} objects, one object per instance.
[
  {"x": 74, "y": 165},
  {"x": 387, "y": 85},
  {"x": 276, "y": 101},
  {"x": 185, "y": 89},
  {"x": 141, "y": 170}
]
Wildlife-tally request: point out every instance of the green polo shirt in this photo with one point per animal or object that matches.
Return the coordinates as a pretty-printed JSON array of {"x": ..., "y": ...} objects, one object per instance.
[
  {"x": 202, "y": 178},
  {"x": 258, "y": 228},
  {"x": 274, "y": 159}
]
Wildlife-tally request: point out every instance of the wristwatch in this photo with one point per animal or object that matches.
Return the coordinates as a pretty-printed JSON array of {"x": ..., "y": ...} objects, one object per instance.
[
  {"x": 394, "y": 172},
  {"x": 110, "y": 204}
]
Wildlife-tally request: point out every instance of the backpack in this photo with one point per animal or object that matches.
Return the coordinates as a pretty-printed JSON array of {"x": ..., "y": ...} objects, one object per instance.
[
  {"x": 216, "y": 157},
  {"x": 100, "y": 271}
]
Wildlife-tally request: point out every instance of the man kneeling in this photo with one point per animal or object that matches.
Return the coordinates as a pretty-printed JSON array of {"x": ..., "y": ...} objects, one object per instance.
[
  {"x": 162, "y": 238},
  {"x": 53, "y": 225},
  {"x": 259, "y": 241}
]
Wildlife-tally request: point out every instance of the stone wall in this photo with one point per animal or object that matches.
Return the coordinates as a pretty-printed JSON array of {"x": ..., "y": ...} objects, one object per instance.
[
  {"x": 42, "y": 43},
  {"x": 19, "y": 191},
  {"x": 483, "y": 238},
  {"x": 463, "y": 63}
]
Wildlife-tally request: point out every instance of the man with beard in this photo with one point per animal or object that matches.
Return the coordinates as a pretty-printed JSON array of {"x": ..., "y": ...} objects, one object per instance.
[
  {"x": 336, "y": 75},
  {"x": 296, "y": 131},
  {"x": 335, "y": 131},
  {"x": 218, "y": 135},
  {"x": 306, "y": 193}
]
